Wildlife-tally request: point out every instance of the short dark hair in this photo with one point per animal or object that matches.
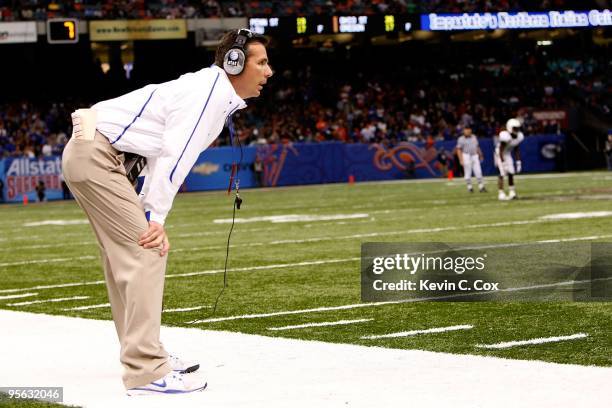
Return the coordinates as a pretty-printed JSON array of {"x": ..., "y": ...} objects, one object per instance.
[{"x": 228, "y": 40}]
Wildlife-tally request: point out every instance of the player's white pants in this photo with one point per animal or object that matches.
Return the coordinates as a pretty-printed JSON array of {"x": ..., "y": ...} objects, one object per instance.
[
  {"x": 471, "y": 163},
  {"x": 508, "y": 164}
]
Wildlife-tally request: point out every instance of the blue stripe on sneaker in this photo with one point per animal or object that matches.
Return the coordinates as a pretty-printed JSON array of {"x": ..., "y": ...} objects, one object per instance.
[
  {"x": 194, "y": 128},
  {"x": 169, "y": 391},
  {"x": 135, "y": 117}
]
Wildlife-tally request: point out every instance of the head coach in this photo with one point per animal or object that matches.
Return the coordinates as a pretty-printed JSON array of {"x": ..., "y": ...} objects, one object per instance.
[{"x": 166, "y": 126}]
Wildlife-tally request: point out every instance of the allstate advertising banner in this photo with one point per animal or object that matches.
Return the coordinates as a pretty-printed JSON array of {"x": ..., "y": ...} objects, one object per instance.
[
  {"x": 21, "y": 175},
  {"x": 301, "y": 163}
]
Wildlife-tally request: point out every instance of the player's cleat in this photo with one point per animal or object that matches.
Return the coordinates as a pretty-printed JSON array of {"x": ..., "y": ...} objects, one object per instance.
[
  {"x": 171, "y": 383},
  {"x": 470, "y": 189},
  {"x": 182, "y": 366},
  {"x": 512, "y": 196},
  {"x": 482, "y": 189},
  {"x": 502, "y": 196}
]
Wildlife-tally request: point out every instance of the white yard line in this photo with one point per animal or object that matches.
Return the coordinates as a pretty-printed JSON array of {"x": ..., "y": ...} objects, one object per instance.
[
  {"x": 62, "y": 245},
  {"x": 185, "y": 309},
  {"x": 79, "y": 221},
  {"x": 180, "y": 275},
  {"x": 320, "y": 324},
  {"x": 262, "y": 267},
  {"x": 417, "y": 332},
  {"x": 56, "y": 286},
  {"x": 298, "y": 264},
  {"x": 100, "y": 306},
  {"x": 540, "y": 340},
  {"x": 50, "y": 260},
  {"x": 48, "y": 301},
  {"x": 299, "y": 311},
  {"x": 577, "y": 215},
  {"x": 286, "y": 218},
  {"x": 17, "y": 296},
  {"x": 23, "y": 237},
  {"x": 388, "y": 302},
  {"x": 294, "y": 373},
  {"x": 365, "y": 235}
]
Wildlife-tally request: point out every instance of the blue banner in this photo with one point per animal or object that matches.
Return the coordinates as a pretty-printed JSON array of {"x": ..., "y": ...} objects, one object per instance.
[
  {"x": 23, "y": 177},
  {"x": 516, "y": 20},
  {"x": 301, "y": 163}
]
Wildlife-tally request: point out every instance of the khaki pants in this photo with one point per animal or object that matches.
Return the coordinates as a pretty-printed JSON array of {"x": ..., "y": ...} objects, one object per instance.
[{"x": 94, "y": 171}]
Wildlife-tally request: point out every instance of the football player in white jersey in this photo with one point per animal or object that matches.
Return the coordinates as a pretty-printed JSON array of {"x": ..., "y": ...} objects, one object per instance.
[{"x": 509, "y": 140}]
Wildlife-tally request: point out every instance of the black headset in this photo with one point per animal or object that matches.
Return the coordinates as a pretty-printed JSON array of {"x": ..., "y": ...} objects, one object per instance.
[{"x": 235, "y": 57}]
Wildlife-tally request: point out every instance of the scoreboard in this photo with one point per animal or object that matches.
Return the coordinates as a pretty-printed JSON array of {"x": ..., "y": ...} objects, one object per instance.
[
  {"x": 62, "y": 31},
  {"x": 309, "y": 25}
]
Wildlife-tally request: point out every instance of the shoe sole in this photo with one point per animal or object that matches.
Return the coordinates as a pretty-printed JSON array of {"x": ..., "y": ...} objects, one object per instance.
[
  {"x": 188, "y": 370},
  {"x": 137, "y": 392}
]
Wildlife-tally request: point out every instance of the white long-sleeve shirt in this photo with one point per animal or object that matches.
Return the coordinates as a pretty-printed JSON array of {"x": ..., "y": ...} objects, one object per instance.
[{"x": 170, "y": 124}]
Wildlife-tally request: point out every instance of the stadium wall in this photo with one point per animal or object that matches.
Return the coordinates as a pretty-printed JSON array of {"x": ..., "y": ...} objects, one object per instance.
[{"x": 301, "y": 163}]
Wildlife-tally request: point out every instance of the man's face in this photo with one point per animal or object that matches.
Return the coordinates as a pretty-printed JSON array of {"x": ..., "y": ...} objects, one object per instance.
[
  {"x": 256, "y": 72},
  {"x": 467, "y": 132}
]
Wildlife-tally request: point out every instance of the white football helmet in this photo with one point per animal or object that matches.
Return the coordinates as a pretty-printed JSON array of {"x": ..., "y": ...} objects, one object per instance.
[{"x": 513, "y": 125}]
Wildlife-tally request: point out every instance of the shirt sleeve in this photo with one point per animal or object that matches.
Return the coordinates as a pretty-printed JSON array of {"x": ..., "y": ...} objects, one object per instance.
[
  {"x": 192, "y": 116},
  {"x": 460, "y": 143}
]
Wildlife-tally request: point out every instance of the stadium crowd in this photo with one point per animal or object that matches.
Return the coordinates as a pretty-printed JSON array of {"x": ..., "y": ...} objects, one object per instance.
[
  {"x": 422, "y": 104},
  {"x": 15, "y": 10}
]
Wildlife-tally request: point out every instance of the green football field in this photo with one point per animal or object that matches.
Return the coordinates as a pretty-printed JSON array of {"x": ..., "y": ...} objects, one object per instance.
[{"x": 294, "y": 260}]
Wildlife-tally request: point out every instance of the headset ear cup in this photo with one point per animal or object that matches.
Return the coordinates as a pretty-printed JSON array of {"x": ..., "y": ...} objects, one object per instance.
[{"x": 233, "y": 62}]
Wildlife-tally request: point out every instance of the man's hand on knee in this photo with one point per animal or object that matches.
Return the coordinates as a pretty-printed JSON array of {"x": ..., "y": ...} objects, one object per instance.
[{"x": 155, "y": 237}]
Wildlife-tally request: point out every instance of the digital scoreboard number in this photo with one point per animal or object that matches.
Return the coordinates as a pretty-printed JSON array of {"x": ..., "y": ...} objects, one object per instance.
[
  {"x": 308, "y": 25},
  {"x": 372, "y": 25},
  {"x": 62, "y": 31}
]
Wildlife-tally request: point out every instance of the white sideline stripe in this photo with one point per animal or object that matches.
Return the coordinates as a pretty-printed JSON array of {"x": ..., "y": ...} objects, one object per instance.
[
  {"x": 48, "y": 301},
  {"x": 37, "y": 261},
  {"x": 18, "y": 296},
  {"x": 540, "y": 340},
  {"x": 321, "y": 374},
  {"x": 185, "y": 309},
  {"x": 87, "y": 307},
  {"x": 388, "y": 302},
  {"x": 417, "y": 332},
  {"x": 321, "y": 324}
]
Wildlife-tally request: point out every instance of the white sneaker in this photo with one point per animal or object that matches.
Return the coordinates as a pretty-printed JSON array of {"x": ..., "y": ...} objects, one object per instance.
[
  {"x": 171, "y": 383},
  {"x": 502, "y": 196},
  {"x": 182, "y": 366},
  {"x": 512, "y": 195}
]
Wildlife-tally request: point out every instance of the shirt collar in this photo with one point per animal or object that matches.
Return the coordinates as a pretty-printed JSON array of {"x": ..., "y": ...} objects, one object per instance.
[{"x": 236, "y": 100}]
